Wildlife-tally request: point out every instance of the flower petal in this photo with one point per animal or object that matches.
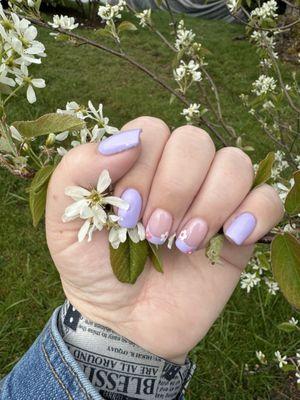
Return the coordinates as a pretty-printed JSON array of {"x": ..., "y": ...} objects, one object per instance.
[
  {"x": 31, "y": 97},
  {"x": 83, "y": 231},
  {"x": 116, "y": 201},
  {"x": 76, "y": 192},
  {"x": 104, "y": 181}
]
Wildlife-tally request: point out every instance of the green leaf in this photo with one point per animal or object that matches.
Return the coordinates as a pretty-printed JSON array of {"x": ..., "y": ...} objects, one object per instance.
[
  {"x": 264, "y": 171},
  {"x": 214, "y": 248},
  {"x": 49, "y": 123},
  {"x": 292, "y": 202},
  {"x": 155, "y": 257},
  {"x": 128, "y": 261},
  {"x": 37, "y": 203},
  {"x": 287, "y": 327},
  {"x": 285, "y": 257},
  {"x": 38, "y": 193},
  {"x": 126, "y": 26},
  {"x": 41, "y": 177}
]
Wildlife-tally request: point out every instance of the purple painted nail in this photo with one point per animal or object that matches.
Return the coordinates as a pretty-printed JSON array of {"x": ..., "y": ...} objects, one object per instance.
[
  {"x": 130, "y": 217},
  {"x": 241, "y": 228},
  {"x": 120, "y": 142}
]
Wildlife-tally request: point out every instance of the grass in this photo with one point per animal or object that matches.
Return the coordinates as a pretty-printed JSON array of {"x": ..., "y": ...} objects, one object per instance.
[{"x": 30, "y": 288}]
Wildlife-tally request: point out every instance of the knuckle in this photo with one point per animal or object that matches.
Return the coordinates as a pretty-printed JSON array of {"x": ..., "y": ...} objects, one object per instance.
[
  {"x": 195, "y": 137},
  {"x": 272, "y": 199},
  {"x": 155, "y": 125},
  {"x": 237, "y": 155}
]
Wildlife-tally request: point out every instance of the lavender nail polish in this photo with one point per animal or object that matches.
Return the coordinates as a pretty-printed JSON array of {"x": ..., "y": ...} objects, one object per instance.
[
  {"x": 120, "y": 142},
  {"x": 241, "y": 228},
  {"x": 130, "y": 217}
]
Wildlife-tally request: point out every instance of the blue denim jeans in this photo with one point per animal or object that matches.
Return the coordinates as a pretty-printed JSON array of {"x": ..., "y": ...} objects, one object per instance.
[{"x": 47, "y": 372}]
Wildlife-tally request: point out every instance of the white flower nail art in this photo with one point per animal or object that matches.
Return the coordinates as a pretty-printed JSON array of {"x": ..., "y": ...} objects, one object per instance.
[
  {"x": 183, "y": 235},
  {"x": 164, "y": 236}
]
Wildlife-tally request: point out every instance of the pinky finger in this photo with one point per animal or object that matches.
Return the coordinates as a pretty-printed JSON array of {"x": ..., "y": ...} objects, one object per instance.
[{"x": 260, "y": 211}]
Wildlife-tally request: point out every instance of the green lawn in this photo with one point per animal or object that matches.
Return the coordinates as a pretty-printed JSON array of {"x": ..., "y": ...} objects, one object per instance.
[{"x": 30, "y": 286}]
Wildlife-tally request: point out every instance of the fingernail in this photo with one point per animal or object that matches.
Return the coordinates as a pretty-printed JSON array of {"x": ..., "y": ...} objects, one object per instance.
[
  {"x": 241, "y": 228},
  {"x": 158, "y": 227},
  {"x": 120, "y": 142},
  {"x": 191, "y": 235},
  {"x": 129, "y": 218}
]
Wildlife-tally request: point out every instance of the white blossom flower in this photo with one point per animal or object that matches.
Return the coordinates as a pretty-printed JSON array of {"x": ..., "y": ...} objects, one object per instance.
[
  {"x": 184, "y": 38},
  {"x": 191, "y": 112},
  {"x": 232, "y": 5},
  {"x": 267, "y": 10},
  {"x": 273, "y": 286},
  {"x": 297, "y": 375},
  {"x": 118, "y": 234},
  {"x": 289, "y": 228},
  {"x": 261, "y": 357},
  {"x": 249, "y": 280},
  {"x": 293, "y": 321},
  {"x": 64, "y": 22},
  {"x": 31, "y": 83},
  {"x": 281, "y": 359},
  {"x": 144, "y": 17},
  {"x": 90, "y": 206},
  {"x": 73, "y": 108},
  {"x": 282, "y": 189},
  {"x": 97, "y": 115},
  {"x": 110, "y": 12},
  {"x": 190, "y": 70},
  {"x": 263, "y": 85}
]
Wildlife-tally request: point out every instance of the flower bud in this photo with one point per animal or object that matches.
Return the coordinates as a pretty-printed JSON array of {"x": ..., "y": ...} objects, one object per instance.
[{"x": 50, "y": 140}]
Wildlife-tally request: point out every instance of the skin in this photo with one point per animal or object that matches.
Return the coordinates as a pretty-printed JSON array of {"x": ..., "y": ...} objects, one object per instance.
[{"x": 167, "y": 314}]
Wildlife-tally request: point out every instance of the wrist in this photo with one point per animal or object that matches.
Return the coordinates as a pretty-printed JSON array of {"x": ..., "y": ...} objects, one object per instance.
[
  {"x": 117, "y": 366},
  {"x": 147, "y": 339}
]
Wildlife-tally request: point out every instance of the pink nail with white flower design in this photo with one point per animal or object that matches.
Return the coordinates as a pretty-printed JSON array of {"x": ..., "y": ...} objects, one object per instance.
[
  {"x": 159, "y": 226},
  {"x": 191, "y": 235}
]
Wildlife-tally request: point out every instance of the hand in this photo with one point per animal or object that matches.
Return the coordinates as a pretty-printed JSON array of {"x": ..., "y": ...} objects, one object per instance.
[{"x": 186, "y": 187}]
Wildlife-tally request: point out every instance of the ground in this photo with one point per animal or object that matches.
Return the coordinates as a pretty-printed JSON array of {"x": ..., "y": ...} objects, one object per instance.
[{"x": 31, "y": 288}]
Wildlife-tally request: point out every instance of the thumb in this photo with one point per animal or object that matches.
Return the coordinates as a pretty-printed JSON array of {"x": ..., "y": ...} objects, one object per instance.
[{"x": 82, "y": 166}]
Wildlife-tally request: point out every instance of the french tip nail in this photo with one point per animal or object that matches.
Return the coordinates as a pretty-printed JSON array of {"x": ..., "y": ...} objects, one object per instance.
[
  {"x": 183, "y": 247},
  {"x": 120, "y": 142}
]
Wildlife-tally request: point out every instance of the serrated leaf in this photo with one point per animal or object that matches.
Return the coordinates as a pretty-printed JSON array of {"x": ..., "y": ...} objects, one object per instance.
[
  {"x": 264, "y": 171},
  {"x": 41, "y": 177},
  {"x": 155, "y": 257},
  {"x": 214, "y": 248},
  {"x": 48, "y": 123},
  {"x": 285, "y": 257},
  {"x": 128, "y": 261},
  {"x": 126, "y": 26},
  {"x": 37, "y": 203},
  {"x": 287, "y": 327},
  {"x": 292, "y": 202}
]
